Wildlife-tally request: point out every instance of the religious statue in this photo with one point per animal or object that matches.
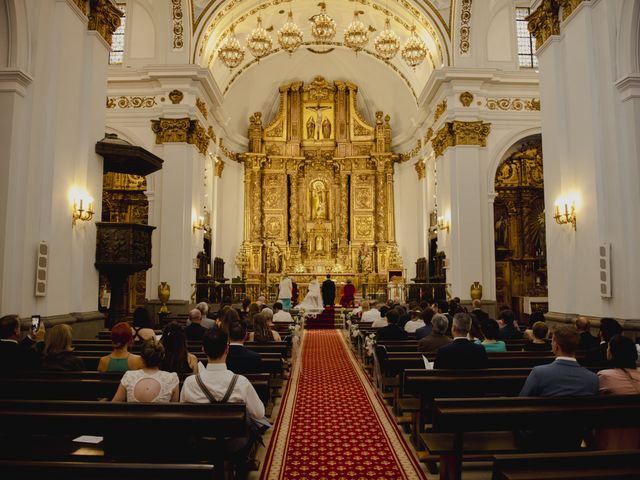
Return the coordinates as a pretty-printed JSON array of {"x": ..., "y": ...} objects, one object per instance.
[
  {"x": 318, "y": 122},
  {"x": 502, "y": 234},
  {"x": 318, "y": 201},
  {"x": 311, "y": 128},
  {"x": 275, "y": 258},
  {"x": 364, "y": 259},
  {"x": 319, "y": 243},
  {"x": 326, "y": 128}
]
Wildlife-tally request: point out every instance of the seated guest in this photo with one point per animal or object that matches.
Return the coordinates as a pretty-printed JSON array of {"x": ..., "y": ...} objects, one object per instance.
[
  {"x": 490, "y": 330},
  {"x": 461, "y": 353},
  {"x": 141, "y": 328},
  {"x": 230, "y": 315},
  {"x": 437, "y": 338},
  {"x": 370, "y": 312},
  {"x": 622, "y": 379},
  {"x": 382, "y": 320},
  {"x": 194, "y": 330},
  {"x": 252, "y": 311},
  {"x": 279, "y": 315},
  {"x": 348, "y": 294},
  {"x": 392, "y": 331},
  {"x": 536, "y": 316},
  {"x": 244, "y": 311},
  {"x": 476, "y": 311},
  {"x": 475, "y": 334},
  {"x": 539, "y": 342},
  {"x": 205, "y": 321},
  {"x": 598, "y": 356},
  {"x": 15, "y": 355},
  {"x": 149, "y": 384},
  {"x": 263, "y": 333},
  {"x": 58, "y": 352},
  {"x": 508, "y": 326},
  {"x": 563, "y": 377},
  {"x": 427, "y": 315},
  {"x": 587, "y": 341},
  {"x": 415, "y": 321},
  {"x": 120, "y": 360},
  {"x": 216, "y": 383},
  {"x": 176, "y": 352},
  {"x": 240, "y": 359},
  {"x": 261, "y": 301}
]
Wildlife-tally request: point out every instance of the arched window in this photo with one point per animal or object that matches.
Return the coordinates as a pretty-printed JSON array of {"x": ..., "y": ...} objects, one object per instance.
[
  {"x": 526, "y": 42},
  {"x": 117, "y": 39}
]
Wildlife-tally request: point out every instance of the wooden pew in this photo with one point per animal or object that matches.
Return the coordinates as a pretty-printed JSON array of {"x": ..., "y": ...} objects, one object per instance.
[
  {"x": 88, "y": 386},
  {"x": 103, "y": 470},
  {"x": 412, "y": 345},
  {"x": 427, "y": 385},
  {"x": 484, "y": 426},
  {"x": 599, "y": 465},
  {"x": 132, "y": 432},
  {"x": 82, "y": 346}
]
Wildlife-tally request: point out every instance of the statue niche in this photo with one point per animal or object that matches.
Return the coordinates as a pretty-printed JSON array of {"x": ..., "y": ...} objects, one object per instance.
[{"x": 318, "y": 200}]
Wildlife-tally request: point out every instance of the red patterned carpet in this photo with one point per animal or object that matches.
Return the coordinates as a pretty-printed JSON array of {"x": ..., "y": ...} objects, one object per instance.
[{"x": 332, "y": 423}]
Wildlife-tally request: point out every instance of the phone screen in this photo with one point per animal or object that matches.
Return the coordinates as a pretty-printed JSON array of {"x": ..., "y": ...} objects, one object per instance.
[{"x": 35, "y": 323}]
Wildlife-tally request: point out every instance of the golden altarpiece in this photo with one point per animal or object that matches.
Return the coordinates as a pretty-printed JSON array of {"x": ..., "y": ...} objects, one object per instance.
[{"x": 318, "y": 192}]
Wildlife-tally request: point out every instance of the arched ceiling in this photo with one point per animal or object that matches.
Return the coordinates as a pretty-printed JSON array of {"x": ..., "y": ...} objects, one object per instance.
[{"x": 391, "y": 86}]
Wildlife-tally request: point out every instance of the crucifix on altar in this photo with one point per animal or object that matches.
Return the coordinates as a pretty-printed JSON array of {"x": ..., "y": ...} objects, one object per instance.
[{"x": 318, "y": 124}]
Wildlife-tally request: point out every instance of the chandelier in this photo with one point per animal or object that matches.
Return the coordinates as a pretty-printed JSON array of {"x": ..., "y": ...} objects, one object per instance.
[
  {"x": 259, "y": 42},
  {"x": 356, "y": 36},
  {"x": 414, "y": 51},
  {"x": 290, "y": 35},
  {"x": 231, "y": 52},
  {"x": 323, "y": 27},
  {"x": 387, "y": 44}
]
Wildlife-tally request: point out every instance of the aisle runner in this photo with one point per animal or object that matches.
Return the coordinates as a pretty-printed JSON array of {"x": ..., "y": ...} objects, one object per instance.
[{"x": 333, "y": 424}]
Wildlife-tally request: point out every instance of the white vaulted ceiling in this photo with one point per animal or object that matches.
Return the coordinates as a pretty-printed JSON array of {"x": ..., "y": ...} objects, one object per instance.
[{"x": 392, "y": 86}]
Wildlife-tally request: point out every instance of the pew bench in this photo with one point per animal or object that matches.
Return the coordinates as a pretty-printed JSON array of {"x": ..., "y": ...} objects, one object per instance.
[
  {"x": 594, "y": 465},
  {"x": 131, "y": 432},
  {"x": 478, "y": 428}
]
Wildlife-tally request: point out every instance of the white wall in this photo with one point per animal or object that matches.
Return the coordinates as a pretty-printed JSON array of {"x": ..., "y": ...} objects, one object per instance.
[
  {"x": 590, "y": 131},
  {"x": 230, "y": 201},
  {"x": 408, "y": 213},
  {"x": 51, "y": 130}
]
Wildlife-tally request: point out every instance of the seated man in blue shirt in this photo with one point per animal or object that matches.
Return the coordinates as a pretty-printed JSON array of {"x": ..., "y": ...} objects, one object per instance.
[{"x": 563, "y": 377}]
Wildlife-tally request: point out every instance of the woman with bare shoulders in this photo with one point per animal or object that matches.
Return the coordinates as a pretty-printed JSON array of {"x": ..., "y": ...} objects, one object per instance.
[{"x": 120, "y": 359}]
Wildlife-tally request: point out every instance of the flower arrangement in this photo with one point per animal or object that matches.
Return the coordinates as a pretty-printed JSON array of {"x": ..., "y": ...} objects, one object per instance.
[
  {"x": 370, "y": 344},
  {"x": 355, "y": 330}
]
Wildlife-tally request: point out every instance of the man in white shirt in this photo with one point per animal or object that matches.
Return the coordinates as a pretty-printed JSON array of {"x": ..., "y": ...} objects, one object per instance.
[
  {"x": 280, "y": 315},
  {"x": 369, "y": 313},
  {"x": 415, "y": 322},
  {"x": 217, "y": 384}
]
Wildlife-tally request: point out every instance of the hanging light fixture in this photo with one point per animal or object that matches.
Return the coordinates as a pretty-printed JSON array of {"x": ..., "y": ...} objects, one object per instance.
[
  {"x": 259, "y": 42},
  {"x": 290, "y": 35},
  {"x": 414, "y": 51},
  {"x": 356, "y": 36},
  {"x": 231, "y": 52},
  {"x": 387, "y": 43},
  {"x": 323, "y": 27}
]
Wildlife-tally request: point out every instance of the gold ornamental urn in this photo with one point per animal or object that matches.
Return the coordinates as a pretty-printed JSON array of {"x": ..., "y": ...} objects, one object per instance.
[
  {"x": 476, "y": 291},
  {"x": 164, "y": 292}
]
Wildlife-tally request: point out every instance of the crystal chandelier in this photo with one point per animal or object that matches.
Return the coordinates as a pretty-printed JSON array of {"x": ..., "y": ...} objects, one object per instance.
[
  {"x": 387, "y": 43},
  {"x": 231, "y": 52},
  {"x": 414, "y": 51},
  {"x": 290, "y": 35},
  {"x": 323, "y": 27},
  {"x": 259, "y": 42},
  {"x": 356, "y": 36}
]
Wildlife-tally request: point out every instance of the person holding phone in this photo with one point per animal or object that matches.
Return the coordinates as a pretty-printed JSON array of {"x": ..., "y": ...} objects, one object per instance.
[{"x": 16, "y": 355}]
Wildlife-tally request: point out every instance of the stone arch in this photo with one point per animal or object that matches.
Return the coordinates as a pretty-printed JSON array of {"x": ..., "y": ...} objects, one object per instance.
[
  {"x": 14, "y": 34},
  {"x": 628, "y": 41}
]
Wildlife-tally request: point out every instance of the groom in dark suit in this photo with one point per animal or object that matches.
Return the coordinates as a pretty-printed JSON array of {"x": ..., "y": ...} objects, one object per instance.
[{"x": 328, "y": 292}]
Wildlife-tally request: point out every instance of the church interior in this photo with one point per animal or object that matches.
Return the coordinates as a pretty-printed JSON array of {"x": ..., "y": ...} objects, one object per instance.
[{"x": 319, "y": 180}]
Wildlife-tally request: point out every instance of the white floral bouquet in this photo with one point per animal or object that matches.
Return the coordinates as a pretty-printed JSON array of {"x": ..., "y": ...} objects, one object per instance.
[
  {"x": 355, "y": 330},
  {"x": 370, "y": 344}
]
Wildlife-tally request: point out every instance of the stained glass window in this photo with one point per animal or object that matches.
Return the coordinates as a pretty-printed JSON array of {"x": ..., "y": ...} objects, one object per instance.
[
  {"x": 117, "y": 39},
  {"x": 526, "y": 42}
]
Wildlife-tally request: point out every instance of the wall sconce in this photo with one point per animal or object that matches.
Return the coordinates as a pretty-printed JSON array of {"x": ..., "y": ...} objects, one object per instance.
[
  {"x": 199, "y": 224},
  {"x": 82, "y": 206},
  {"x": 443, "y": 224},
  {"x": 565, "y": 212}
]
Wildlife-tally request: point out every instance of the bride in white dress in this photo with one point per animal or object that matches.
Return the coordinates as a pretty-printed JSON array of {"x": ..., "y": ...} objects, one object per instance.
[{"x": 312, "y": 302}]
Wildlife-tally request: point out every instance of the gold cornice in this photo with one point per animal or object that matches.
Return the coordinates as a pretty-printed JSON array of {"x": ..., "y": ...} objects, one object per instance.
[
  {"x": 202, "y": 107},
  {"x": 186, "y": 130},
  {"x": 82, "y": 5},
  {"x": 440, "y": 109},
  {"x": 218, "y": 167},
  {"x": 544, "y": 22},
  {"x": 124, "y": 101},
  {"x": 104, "y": 18},
  {"x": 568, "y": 6},
  {"x": 460, "y": 133},
  {"x": 516, "y": 104},
  {"x": 411, "y": 153}
]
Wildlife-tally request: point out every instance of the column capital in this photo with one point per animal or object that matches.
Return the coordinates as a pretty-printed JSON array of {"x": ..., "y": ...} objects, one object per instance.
[
  {"x": 186, "y": 130},
  {"x": 104, "y": 17},
  {"x": 420, "y": 169},
  {"x": 460, "y": 133},
  {"x": 544, "y": 22}
]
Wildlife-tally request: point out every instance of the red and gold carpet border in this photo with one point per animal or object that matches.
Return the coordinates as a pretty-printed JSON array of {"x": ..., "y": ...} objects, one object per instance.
[{"x": 403, "y": 457}]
